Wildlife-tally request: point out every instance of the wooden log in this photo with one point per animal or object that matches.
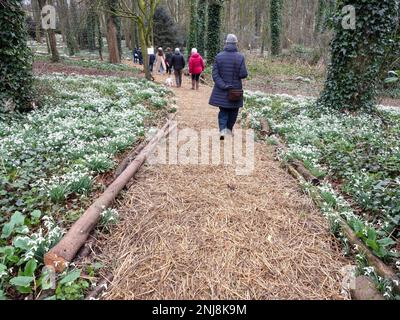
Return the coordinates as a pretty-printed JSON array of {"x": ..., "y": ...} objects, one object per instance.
[
  {"x": 380, "y": 267},
  {"x": 125, "y": 163},
  {"x": 307, "y": 175},
  {"x": 85, "y": 250},
  {"x": 298, "y": 165},
  {"x": 265, "y": 128},
  {"x": 63, "y": 253}
]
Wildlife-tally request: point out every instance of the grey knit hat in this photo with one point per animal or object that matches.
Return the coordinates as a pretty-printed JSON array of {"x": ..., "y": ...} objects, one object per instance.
[{"x": 231, "y": 38}]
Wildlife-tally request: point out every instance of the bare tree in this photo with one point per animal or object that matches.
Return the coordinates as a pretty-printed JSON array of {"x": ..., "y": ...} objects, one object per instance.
[{"x": 51, "y": 36}]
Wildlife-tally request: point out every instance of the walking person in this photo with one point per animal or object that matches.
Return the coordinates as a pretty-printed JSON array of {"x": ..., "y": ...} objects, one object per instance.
[
  {"x": 196, "y": 68},
  {"x": 178, "y": 63},
  {"x": 228, "y": 71},
  {"x": 160, "y": 61},
  {"x": 152, "y": 59},
  {"x": 140, "y": 56},
  {"x": 168, "y": 58},
  {"x": 135, "y": 56}
]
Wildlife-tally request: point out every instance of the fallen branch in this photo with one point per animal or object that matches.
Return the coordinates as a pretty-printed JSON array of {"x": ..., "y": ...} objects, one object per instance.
[
  {"x": 298, "y": 165},
  {"x": 265, "y": 128},
  {"x": 100, "y": 288},
  {"x": 85, "y": 250},
  {"x": 125, "y": 163},
  {"x": 305, "y": 173},
  {"x": 63, "y": 253},
  {"x": 380, "y": 267}
]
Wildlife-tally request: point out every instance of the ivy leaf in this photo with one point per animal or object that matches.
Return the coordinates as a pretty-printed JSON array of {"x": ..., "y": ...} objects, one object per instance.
[
  {"x": 8, "y": 228},
  {"x": 17, "y": 219},
  {"x": 386, "y": 242},
  {"x": 22, "y": 281},
  {"x": 71, "y": 277},
  {"x": 21, "y": 243},
  {"x": 36, "y": 214}
]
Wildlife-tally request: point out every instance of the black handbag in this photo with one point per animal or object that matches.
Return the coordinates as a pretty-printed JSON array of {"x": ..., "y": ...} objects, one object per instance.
[{"x": 235, "y": 95}]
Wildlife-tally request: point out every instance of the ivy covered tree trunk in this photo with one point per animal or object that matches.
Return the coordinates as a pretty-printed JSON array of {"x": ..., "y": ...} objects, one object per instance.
[
  {"x": 99, "y": 37},
  {"x": 276, "y": 26},
  {"x": 358, "y": 55},
  {"x": 69, "y": 34},
  {"x": 118, "y": 25},
  {"x": 15, "y": 58},
  {"x": 75, "y": 24},
  {"x": 91, "y": 29},
  {"x": 192, "y": 38},
  {"x": 202, "y": 26},
  {"x": 214, "y": 29},
  {"x": 324, "y": 11}
]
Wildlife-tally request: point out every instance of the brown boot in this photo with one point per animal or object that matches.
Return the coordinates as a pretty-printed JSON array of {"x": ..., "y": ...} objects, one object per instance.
[
  {"x": 197, "y": 85},
  {"x": 193, "y": 84}
]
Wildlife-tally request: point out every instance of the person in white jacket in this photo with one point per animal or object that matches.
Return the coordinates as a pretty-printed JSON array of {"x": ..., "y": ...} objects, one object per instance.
[{"x": 160, "y": 61}]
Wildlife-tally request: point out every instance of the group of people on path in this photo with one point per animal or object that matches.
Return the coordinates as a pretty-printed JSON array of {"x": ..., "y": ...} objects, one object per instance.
[
  {"x": 229, "y": 70},
  {"x": 168, "y": 62}
]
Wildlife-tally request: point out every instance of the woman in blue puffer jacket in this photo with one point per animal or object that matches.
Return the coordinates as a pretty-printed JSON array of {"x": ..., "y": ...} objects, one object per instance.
[{"x": 228, "y": 71}]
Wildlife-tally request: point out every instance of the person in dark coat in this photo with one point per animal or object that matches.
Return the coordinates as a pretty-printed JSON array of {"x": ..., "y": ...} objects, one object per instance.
[
  {"x": 140, "y": 56},
  {"x": 228, "y": 71},
  {"x": 152, "y": 59},
  {"x": 168, "y": 58},
  {"x": 135, "y": 56},
  {"x": 178, "y": 63}
]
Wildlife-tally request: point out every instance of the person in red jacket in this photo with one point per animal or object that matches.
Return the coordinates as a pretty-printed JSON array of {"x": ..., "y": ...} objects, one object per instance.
[{"x": 196, "y": 67}]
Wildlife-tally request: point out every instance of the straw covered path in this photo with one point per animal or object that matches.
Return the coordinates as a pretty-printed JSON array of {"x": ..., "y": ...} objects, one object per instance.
[{"x": 202, "y": 232}]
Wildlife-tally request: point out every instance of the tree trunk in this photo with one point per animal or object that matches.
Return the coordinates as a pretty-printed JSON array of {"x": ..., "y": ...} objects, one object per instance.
[
  {"x": 192, "y": 38},
  {"x": 52, "y": 41},
  {"x": 99, "y": 37},
  {"x": 38, "y": 21},
  {"x": 70, "y": 37},
  {"x": 144, "y": 45},
  {"x": 354, "y": 75},
  {"x": 91, "y": 29},
  {"x": 202, "y": 27},
  {"x": 55, "y": 57},
  {"x": 276, "y": 26},
  {"x": 214, "y": 30},
  {"x": 114, "y": 56}
]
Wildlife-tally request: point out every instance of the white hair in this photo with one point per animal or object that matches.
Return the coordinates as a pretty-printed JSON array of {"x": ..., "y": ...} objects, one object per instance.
[
  {"x": 194, "y": 51},
  {"x": 177, "y": 50}
]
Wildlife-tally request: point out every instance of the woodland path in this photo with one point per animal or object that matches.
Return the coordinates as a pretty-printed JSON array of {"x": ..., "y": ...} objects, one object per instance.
[{"x": 202, "y": 232}]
